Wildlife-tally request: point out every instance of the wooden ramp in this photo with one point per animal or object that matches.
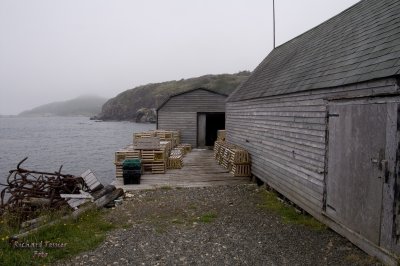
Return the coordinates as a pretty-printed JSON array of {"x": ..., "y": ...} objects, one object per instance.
[{"x": 199, "y": 170}]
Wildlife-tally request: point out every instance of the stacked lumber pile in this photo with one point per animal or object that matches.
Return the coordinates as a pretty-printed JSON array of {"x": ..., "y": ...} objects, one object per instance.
[{"x": 233, "y": 158}]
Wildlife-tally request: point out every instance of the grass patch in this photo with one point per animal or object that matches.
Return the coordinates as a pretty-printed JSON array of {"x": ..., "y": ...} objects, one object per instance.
[
  {"x": 192, "y": 207},
  {"x": 59, "y": 241},
  {"x": 166, "y": 187},
  {"x": 208, "y": 217},
  {"x": 288, "y": 213},
  {"x": 358, "y": 260},
  {"x": 178, "y": 221}
]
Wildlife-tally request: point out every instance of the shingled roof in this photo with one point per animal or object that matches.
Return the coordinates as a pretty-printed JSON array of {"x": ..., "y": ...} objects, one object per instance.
[
  {"x": 360, "y": 44},
  {"x": 188, "y": 91}
]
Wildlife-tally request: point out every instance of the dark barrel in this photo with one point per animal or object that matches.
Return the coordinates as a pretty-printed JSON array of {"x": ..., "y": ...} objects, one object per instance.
[{"x": 132, "y": 171}]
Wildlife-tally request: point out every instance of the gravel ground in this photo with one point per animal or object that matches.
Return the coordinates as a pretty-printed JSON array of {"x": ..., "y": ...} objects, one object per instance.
[{"x": 221, "y": 225}]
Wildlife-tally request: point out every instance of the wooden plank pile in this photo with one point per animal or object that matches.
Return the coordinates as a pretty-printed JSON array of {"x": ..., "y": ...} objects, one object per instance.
[{"x": 233, "y": 158}]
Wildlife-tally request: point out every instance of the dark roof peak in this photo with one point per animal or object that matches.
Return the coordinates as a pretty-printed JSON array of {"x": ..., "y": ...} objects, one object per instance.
[
  {"x": 359, "y": 44},
  {"x": 188, "y": 91}
]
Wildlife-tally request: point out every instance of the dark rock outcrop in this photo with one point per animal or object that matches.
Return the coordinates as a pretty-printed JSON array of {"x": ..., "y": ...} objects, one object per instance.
[{"x": 135, "y": 104}]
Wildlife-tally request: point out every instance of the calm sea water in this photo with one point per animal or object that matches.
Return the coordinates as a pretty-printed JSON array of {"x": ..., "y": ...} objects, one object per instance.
[{"x": 77, "y": 143}]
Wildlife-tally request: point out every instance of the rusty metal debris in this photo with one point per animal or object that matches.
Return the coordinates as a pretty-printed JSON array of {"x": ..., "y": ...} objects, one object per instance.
[{"x": 27, "y": 191}]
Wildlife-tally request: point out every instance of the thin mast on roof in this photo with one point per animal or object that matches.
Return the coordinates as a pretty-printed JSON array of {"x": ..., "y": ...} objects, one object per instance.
[{"x": 273, "y": 18}]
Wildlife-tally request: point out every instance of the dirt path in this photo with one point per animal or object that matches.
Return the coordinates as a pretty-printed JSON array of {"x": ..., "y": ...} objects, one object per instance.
[{"x": 222, "y": 225}]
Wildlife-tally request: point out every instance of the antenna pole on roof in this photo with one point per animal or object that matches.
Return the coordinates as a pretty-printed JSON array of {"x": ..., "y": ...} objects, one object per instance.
[{"x": 273, "y": 18}]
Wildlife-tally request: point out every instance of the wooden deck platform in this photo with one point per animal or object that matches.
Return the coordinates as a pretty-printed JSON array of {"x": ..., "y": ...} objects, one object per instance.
[{"x": 199, "y": 170}]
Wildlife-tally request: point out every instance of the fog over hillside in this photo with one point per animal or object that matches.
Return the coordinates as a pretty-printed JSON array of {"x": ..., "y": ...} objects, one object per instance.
[{"x": 87, "y": 105}]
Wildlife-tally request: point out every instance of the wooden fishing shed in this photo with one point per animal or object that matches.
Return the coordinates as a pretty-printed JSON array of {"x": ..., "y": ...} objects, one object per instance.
[
  {"x": 320, "y": 118},
  {"x": 197, "y": 113}
]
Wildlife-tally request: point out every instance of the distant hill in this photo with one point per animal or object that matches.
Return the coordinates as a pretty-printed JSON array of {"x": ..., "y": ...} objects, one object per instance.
[
  {"x": 139, "y": 104},
  {"x": 81, "y": 106}
]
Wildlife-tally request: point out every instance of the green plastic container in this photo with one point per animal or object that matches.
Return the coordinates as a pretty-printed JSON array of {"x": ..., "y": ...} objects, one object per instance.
[{"x": 132, "y": 164}]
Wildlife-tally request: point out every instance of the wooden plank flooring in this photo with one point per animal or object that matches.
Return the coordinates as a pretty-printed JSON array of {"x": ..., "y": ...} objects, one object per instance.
[{"x": 199, "y": 170}]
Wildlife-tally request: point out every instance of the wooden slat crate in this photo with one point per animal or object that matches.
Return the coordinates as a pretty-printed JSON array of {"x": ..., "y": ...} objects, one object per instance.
[
  {"x": 118, "y": 170},
  {"x": 126, "y": 154},
  {"x": 177, "y": 152},
  {"x": 154, "y": 167},
  {"x": 153, "y": 156},
  {"x": 169, "y": 135},
  {"x": 221, "y": 135},
  {"x": 239, "y": 156},
  {"x": 166, "y": 146},
  {"x": 186, "y": 148},
  {"x": 175, "y": 162},
  {"x": 176, "y": 136},
  {"x": 91, "y": 180},
  {"x": 164, "y": 134},
  {"x": 233, "y": 158},
  {"x": 150, "y": 143},
  {"x": 142, "y": 135},
  {"x": 241, "y": 170},
  {"x": 217, "y": 147},
  {"x": 225, "y": 157}
]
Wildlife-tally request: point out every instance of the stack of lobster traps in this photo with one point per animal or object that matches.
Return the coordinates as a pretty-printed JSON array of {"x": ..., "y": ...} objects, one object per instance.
[
  {"x": 173, "y": 136},
  {"x": 233, "y": 158},
  {"x": 186, "y": 148},
  {"x": 127, "y": 153},
  {"x": 175, "y": 159},
  {"x": 158, "y": 150}
]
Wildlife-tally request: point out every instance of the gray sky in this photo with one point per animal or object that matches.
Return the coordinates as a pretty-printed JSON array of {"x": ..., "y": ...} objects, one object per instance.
[{"x": 54, "y": 50}]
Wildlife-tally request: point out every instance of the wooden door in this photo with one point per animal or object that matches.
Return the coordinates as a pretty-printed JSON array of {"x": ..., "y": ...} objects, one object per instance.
[
  {"x": 201, "y": 130},
  {"x": 356, "y": 158}
]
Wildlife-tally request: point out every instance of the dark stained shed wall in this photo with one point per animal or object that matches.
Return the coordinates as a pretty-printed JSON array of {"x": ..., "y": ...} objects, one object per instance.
[
  {"x": 180, "y": 112},
  {"x": 286, "y": 137},
  {"x": 280, "y": 115}
]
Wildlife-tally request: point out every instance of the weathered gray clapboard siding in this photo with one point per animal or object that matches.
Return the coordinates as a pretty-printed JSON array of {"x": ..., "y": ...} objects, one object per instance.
[
  {"x": 179, "y": 112},
  {"x": 286, "y": 137},
  {"x": 331, "y": 164},
  {"x": 186, "y": 122}
]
